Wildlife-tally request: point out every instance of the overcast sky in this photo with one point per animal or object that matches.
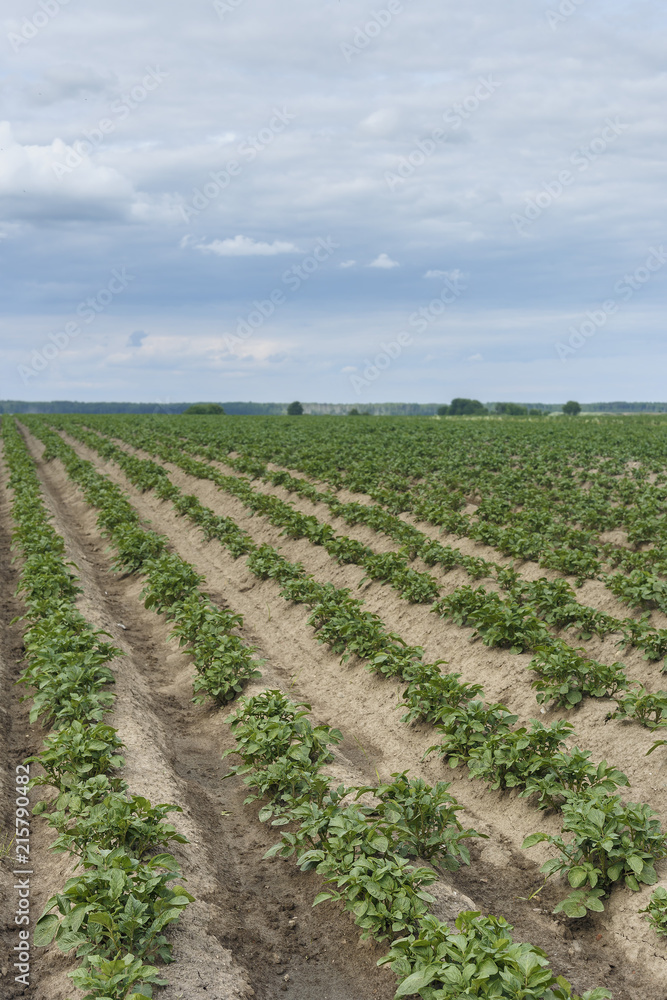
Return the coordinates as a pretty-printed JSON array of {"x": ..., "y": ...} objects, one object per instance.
[{"x": 333, "y": 200}]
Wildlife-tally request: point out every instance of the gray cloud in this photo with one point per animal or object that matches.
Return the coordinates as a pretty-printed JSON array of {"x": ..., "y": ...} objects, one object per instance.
[{"x": 476, "y": 114}]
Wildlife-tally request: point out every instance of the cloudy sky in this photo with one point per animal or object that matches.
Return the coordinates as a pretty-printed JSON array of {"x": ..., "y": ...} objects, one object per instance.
[{"x": 333, "y": 200}]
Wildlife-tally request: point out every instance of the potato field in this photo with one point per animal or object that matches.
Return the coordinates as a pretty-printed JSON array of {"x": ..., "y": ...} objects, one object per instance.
[{"x": 334, "y": 708}]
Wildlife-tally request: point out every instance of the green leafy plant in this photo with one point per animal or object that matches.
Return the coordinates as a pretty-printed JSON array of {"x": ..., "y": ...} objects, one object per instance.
[
  {"x": 497, "y": 622},
  {"x": 122, "y": 978},
  {"x": 649, "y": 708},
  {"x": 565, "y": 677},
  {"x": 118, "y": 904},
  {"x": 509, "y": 759},
  {"x": 570, "y": 771},
  {"x": 107, "y": 821},
  {"x": 385, "y": 894},
  {"x": 170, "y": 580},
  {"x": 609, "y": 841},
  {"x": 467, "y": 726},
  {"x": 423, "y": 817},
  {"x": 478, "y": 958},
  {"x": 656, "y": 911},
  {"x": 639, "y": 589},
  {"x": 430, "y": 692}
]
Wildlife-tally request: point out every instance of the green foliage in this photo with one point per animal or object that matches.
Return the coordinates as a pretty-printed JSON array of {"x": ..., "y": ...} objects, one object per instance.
[
  {"x": 279, "y": 747},
  {"x": 92, "y": 813},
  {"x": 360, "y": 850},
  {"x": 609, "y": 841},
  {"x": 209, "y": 409},
  {"x": 657, "y": 911},
  {"x": 565, "y": 677},
  {"x": 650, "y": 709},
  {"x": 418, "y": 588},
  {"x": 461, "y": 407},
  {"x": 170, "y": 581},
  {"x": 224, "y": 663},
  {"x": 513, "y": 758},
  {"x": 266, "y": 563},
  {"x": 117, "y": 904},
  {"x": 467, "y": 726},
  {"x": 571, "y": 408},
  {"x": 78, "y": 752},
  {"x": 430, "y": 692},
  {"x": 511, "y": 410},
  {"x": 555, "y": 603},
  {"x": 122, "y": 978},
  {"x": 384, "y": 894},
  {"x": 478, "y": 958},
  {"x": 570, "y": 771},
  {"x": 424, "y": 818},
  {"x": 497, "y": 622},
  {"x": 639, "y": 589},
  {"x": 295, "y": 409}
]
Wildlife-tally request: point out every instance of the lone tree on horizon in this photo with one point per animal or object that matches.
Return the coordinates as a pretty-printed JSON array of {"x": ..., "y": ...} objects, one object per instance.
[
  {"x": 295, "y": 409},
  {"x": 572, "y": 408},
  {"x": 461, "y": 407}
]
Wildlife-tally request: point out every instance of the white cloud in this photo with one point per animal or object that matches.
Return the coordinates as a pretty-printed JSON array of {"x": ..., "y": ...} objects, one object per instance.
[
  {"x": 241, "y": 246},
  {"x": 43, "y": 177},
  {"x": 381, "y": 123},
  {"x": 384, "y": 261},
  {"x": 475, "y": 357},
  {"x": 347, "y": 263}
]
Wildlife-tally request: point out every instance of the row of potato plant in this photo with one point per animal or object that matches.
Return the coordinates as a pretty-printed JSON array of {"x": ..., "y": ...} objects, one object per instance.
[
  {"x": 628, "y": 840},
  {"x": 113, "y": 912},
  {"x": 641, "y": 588},
  {"x": 567, "y": 613},
  {"x": 529, "y": 493},
  {"x": 390, "y": 567},
  {"x": 363, "y": 849},
  {"x": 565, "y": 676}
]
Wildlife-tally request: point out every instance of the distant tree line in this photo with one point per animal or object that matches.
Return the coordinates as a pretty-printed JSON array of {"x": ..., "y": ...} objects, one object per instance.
[{"x": 458, "y": 407}]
